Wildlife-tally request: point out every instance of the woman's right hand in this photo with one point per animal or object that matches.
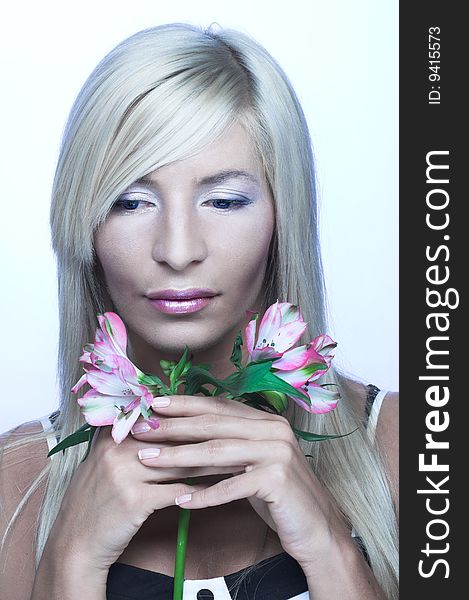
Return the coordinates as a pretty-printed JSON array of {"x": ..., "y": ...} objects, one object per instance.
[{"x": 110, "y": 496}]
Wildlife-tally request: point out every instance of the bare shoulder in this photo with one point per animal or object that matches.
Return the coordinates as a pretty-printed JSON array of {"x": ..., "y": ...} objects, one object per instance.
[
  {"x": 21, "y": 464},
  {"x": 19, "y": 467}
]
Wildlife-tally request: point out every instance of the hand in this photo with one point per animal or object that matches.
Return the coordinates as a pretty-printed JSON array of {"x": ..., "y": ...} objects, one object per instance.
[
  {"x": 110, "y": 496},
  {"x": 275, "y": 476}
]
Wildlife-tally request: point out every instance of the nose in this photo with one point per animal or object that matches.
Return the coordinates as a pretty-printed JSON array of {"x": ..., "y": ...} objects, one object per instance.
[{"x": 180, "y": 239}]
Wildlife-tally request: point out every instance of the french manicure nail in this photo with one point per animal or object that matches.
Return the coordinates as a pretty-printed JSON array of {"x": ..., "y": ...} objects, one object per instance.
[
  {"x": 183, "y": 498},
  {"x": 161, "y": 402},
  {"x": 148, "y": 453},
  {"x": 141, "y": 427}
]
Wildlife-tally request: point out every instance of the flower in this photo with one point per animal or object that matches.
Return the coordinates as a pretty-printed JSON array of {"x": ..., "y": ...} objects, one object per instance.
[
  {"x": 110, "y": 341},
  {"x": 120, "y": 392},
  {"x": 116, "y": 398},
  {"x": 301, "y": 366},
  {"x": 280, "y": 328}
]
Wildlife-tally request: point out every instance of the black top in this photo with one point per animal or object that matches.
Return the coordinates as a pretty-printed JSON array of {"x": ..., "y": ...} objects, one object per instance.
[
  {"x": 279, "y": 577},
  {"x": 276, "y": 578}
]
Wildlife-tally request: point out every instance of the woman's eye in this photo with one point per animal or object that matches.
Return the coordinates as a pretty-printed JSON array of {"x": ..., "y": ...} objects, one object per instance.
[
  {"x": 226, "y": 204},
  {"x": 130, "y": 204},
  {"x": 134, "y": 204}
]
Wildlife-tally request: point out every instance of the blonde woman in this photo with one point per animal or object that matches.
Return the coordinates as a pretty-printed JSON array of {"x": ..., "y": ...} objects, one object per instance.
[{"x": 186, "y": 171}]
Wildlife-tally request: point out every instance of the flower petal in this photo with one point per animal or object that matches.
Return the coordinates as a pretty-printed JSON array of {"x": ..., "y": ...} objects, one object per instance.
[
  {"x": 324, "y": 345},
  {"x": 97, "y": 408},
  {"x": 270, "y": 324},
  {"x": 118, "y": 330},
  {"x": 250, "y": 334},
  {"x": 288, "y": 335},
  {"x": 123, "y": 424},
  {"x": 109, "y": 383},
  {"x": 298, "y": 357},
  {"x": 113, "y": 334},
  {"x": 322, "y": 399},
  {"x": 80, "y": 383},
  {"x": 299, "y": 377},
  {"x": 289, "y": 312},
  {"x": 265, "y": 353}
]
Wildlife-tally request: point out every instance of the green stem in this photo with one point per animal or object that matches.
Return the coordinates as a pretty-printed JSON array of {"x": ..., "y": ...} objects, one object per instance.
[{"x": 181, "y": 549}]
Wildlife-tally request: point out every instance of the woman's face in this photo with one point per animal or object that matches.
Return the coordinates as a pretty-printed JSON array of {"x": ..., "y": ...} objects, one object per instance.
[{"x": 203, "y": 222}]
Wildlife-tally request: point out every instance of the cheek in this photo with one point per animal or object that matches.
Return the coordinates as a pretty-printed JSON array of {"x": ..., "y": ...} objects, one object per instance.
[
  {"x": 118, "y": 260},
  {"x": 244, "y": 246}
]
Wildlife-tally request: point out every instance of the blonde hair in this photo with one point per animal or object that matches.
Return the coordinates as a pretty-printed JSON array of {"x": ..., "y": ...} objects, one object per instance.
[{"x": 162, "y": 95}]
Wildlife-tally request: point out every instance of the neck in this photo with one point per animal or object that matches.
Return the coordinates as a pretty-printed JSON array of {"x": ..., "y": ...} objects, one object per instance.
[{"x": 147, "y": 358}]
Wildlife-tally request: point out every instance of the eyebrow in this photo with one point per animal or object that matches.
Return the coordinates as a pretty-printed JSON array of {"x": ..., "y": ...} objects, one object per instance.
[{"x": 219, "y": 177}]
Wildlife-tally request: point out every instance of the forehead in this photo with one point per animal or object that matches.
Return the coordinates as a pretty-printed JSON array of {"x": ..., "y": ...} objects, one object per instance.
[{"x": 231, "y": 156}]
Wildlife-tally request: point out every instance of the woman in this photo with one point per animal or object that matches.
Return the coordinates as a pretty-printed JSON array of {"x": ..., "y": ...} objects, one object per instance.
[{"x": 186, "y": 163}]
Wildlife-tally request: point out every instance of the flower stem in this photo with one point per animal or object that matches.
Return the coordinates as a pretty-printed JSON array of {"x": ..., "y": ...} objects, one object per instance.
[{"x": 181, "y": 548}]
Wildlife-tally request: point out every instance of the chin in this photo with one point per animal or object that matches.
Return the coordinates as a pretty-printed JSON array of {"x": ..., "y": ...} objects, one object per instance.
[{"x": 171, "y": 341}]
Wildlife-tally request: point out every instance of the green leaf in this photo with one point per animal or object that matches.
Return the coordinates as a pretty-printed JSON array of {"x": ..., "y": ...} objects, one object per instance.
[
  {"x": 77, "y": 437},
  {"x": 91, "y": 432},
  {"x": 205, "y": 391},
  {"x": 258, "y": 401},
  {"x": 149, "y": 379},
  {"x": 178, "y": 369},
  {"x": 108, "y": 327},
  {"x": 257, "y": 377},
  {"x": 236, "y": 354},
  {"x": 196, "y": 377},
  {"x": 206, "y": 366},
  {"x": 315, "y": 437},
  {"x": 155, "y": 385}
]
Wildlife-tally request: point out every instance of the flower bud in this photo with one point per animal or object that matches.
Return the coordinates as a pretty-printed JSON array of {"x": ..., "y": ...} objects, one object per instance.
[
  {"x": 276, "y": 399},
  {"x": 167, "y": 366}
]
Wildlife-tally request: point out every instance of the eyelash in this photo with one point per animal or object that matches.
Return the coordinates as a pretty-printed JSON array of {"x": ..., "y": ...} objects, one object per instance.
[{"x": 234, "y": 204}]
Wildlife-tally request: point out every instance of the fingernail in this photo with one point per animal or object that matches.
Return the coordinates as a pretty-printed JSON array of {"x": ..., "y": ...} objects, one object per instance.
[
  {"x": 141, "y": 427},
  {"x": 161, "y": 402},
  {"x": 183, "y": 498},
  {"x": 148, "y": 453}
]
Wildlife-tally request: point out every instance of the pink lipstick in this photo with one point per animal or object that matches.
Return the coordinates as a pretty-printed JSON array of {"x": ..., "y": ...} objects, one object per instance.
[{"x": 181, "y": 301}]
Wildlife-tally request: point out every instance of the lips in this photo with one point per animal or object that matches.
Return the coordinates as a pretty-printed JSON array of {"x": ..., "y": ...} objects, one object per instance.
[
  {"x": 188, "y": 294},
  {"x": 187, "y": 301}
]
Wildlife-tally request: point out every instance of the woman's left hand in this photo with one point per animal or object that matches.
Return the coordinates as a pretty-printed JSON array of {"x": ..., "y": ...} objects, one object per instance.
[{"x": 278, "y": 481}]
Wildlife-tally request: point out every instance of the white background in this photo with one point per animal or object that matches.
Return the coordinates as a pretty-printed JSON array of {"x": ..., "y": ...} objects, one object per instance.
[{"x": 341, "y": 57}]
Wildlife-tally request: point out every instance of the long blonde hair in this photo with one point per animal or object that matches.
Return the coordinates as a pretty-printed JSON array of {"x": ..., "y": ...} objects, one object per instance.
[{"x": 162, "y": 95}]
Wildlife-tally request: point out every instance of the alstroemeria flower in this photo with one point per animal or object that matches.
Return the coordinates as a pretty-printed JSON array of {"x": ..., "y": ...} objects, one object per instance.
[
  {"x": 281, "y": 327},
  {"x": 110, "y": 341},
  {"x": 116, "y": 398},
  {"x": 301, "y": 366}
]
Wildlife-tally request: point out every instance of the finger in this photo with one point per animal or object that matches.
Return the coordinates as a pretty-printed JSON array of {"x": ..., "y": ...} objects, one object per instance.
[
  {"x": 156, "y": 497},
  {"x": 241, "y": 486},
  {"x": 183, "y": 405},
  {"x": 210, "y": 426},
  {"x": 163, "y": 475},
  {"x": 219, "y": 453}
]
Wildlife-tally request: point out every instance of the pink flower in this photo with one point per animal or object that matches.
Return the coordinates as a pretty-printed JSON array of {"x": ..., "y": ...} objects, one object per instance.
[
  {"x": 301, "y": 366},
  {"x": 116, "y": 398},
  {"x": 282, "y": 326},
  {"x": 110, "y": 341}
]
